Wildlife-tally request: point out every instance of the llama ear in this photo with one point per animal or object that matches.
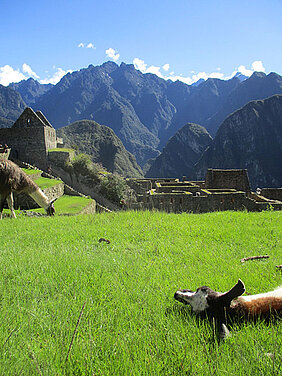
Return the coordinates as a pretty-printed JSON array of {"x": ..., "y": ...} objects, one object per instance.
[{"x": 233, "y": 293}]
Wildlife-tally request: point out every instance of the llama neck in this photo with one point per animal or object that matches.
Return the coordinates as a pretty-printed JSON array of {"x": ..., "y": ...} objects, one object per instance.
[{"x": 40, "y": 198}]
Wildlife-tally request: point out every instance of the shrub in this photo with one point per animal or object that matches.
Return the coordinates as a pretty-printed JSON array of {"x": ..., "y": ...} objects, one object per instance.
[
  {"x": 83, "y": 165},
  {"x": 113, "y": 187}
]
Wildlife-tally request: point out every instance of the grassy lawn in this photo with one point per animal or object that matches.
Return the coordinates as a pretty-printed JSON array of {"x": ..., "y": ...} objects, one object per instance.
[
  {"x": 54, "y": 269},
  {"x": 68, "y": 205},
  {"x": 44, "y": 183},
  {"x": 61, "y": 149},
  {"x": 65, "y": 204},
  {"x": 31, "y": 171}
]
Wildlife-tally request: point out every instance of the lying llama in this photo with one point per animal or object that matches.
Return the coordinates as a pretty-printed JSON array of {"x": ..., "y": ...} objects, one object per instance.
[
  {"x": 13, "y": 179},
  {"x": 221, "y": 307}
]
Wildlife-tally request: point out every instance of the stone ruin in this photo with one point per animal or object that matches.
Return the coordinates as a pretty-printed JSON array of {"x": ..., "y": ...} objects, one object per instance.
[
  {"x": 221, "y": 190},
  {"x": 30, "y": 138}
]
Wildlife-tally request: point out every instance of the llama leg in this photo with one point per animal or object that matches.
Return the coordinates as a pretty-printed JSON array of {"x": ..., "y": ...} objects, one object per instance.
[
  {"x": 10, "y": 202},
  {"x": 2, "y": 202}
]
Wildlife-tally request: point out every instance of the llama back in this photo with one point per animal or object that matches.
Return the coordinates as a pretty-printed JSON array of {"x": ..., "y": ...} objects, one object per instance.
[
  {"x": 262, "y": 304},
  {"x": 15, "y": 179}
]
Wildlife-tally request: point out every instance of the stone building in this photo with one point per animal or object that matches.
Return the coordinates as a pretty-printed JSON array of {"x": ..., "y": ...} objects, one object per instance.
[
  {"x": 228, "y": 179},
  {"x": 30, "y": 138},
  {"x": 221, "y": 190}
]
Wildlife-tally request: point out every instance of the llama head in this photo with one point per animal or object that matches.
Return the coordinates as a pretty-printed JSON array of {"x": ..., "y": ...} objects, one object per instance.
[
  {"x": 207, "y": 301},
  {"x": 50, "y": 209},
  {"x": 204, "y": 299}
]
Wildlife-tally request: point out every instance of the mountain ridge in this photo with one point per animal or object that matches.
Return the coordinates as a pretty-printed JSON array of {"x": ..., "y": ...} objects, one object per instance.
[
  {"x": 144, "y": 110},
  {"x": 153, "y": 107},
  {"x": 181, "y": 152},
  {"x": 249, "y": 138},
  {"x": 11, "y": 106}
]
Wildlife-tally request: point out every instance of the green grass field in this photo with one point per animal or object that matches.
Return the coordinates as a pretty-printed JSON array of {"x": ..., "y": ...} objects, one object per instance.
[
  {"x": 70, "y": 205},
  {"x": 44, "y": 183},
  {"x": 64, "y": 205},
  {"x": 31, "y": 171},
  {"x": 61, "y": 150},
  {"x": 54, "y": 269}
]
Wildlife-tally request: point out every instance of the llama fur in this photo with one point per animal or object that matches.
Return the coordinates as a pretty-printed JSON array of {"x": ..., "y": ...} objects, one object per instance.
[
  {"x": 225, "y": 307},
  {"x": 14, "y": 179}
]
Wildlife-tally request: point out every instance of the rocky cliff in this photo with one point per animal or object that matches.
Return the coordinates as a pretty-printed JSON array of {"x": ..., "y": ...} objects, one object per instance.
[
  {"x": 249, "y": 138},
  {"x": 30, "y": 90},
  {"x": 181, "y": 152},
  {"x": 11, "y": 106}
]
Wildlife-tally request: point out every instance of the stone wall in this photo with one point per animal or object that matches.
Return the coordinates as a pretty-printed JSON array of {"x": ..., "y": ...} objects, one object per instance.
[
  {"x": 140, "y": 186},
  {"x": 186, "y": 202},
  {"x": 55, "y": 192},
  {"x": 89, "y": 209},
  {"x": 177, "y": 188},
  {"x": 60, "y": 157},
  {"x": 30, "y": 138},
  {"x": 82, "y": 184},
  {"x": 50, "y": 138},
  {"x": 177, "y": 197},
  {"x": 272, "y": 193},
  {"x": 25, "y": 202},
  {"x": 236, "y": 179},
  {"x": 29, "y": 144}
]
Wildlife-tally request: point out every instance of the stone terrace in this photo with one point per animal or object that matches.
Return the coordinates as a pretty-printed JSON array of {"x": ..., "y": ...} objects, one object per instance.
[{"x": 221, "y": 190}]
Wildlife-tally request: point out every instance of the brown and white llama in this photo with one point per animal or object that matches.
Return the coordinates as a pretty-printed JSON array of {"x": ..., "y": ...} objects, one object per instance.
[
  {"x": 14, "y": 179},
  {"x": 230, "y": 305}
]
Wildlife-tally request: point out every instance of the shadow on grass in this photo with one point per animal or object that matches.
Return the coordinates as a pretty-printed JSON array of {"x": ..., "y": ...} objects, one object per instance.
[{"x": 184, "y": 312}]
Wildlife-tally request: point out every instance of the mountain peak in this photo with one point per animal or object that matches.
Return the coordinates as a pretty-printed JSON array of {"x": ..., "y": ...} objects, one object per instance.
[
  {"x": 127, "y": 66},
  {"x": 257, "y": 75},
  {"x": 240, "y": 76},
  {"x": 109, "y": 66},
  {"x": 199, "y": 82}
]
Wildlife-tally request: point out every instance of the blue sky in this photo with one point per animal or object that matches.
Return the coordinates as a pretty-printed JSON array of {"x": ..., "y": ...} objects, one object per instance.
[{"x": 176, "y": 39}]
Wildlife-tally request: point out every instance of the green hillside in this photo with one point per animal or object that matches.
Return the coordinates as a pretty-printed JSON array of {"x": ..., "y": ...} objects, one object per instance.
[{"x": 71, "y": 305}]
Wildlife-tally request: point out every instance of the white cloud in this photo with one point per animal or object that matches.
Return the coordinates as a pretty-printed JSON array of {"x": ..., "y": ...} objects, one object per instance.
[
  {"x": 154, "y": 70},
  {"x": 258, "y": 66},
  {"x": 27, "y": 69},
  {"x": 143, "y": 67},
  {"x": 91, "y": 45},
  {"x": 112, "y": 54},
  {"x": 243, "y": 70},
  {"x": 166, "y": 67},
  {"x": 56, "y": 76},
  {"x": 139, "y": 64},
  {"x": 9, "y": 74},
  {"x": 88, "y": 45}
]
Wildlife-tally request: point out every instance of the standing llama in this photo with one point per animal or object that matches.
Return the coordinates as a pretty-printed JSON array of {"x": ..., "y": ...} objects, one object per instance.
[
  {"x": 13, "y": 179},
  {"x": 221, "y": 307}
]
